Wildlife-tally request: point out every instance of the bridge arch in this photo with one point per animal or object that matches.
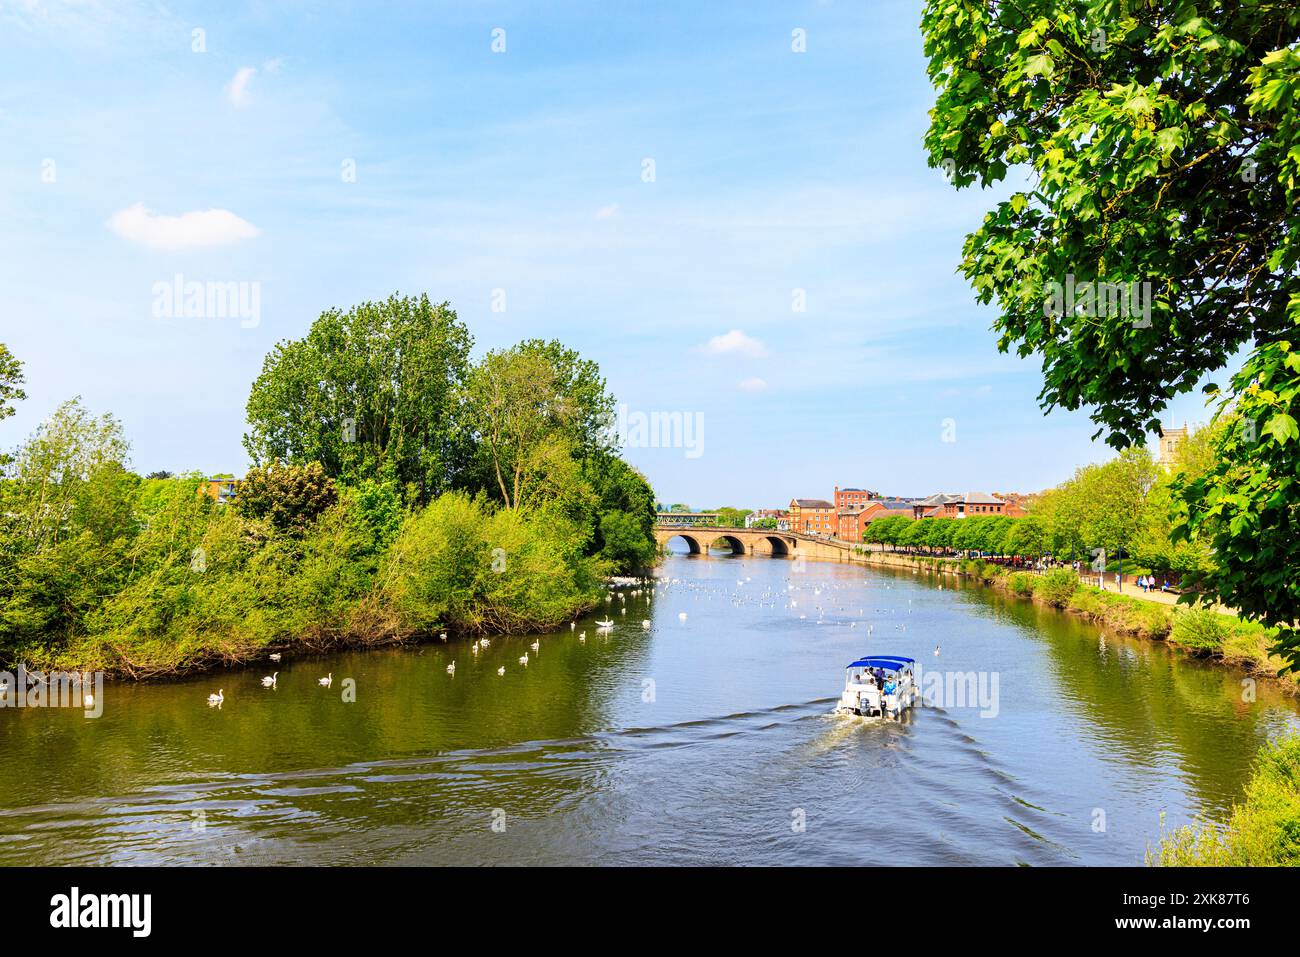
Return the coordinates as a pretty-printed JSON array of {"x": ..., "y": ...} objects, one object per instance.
[
  {"x": 695, "y": 542},
  {"x": 730, "y": 541}
]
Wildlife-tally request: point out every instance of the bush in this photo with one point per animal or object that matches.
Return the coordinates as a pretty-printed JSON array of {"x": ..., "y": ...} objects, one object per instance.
[
  {"x": 290, "y": 497},
  {"x": 456, "y": 565},
  {"x": 1021, "y": 583},
  {"x": 1263, "y": 831},
  {"x": 1200, "y": 629},
  {"x": 1057, "y": 586}
]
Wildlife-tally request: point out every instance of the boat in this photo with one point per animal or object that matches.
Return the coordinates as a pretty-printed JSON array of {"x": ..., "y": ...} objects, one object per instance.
[{"x": 862, "y": 695}]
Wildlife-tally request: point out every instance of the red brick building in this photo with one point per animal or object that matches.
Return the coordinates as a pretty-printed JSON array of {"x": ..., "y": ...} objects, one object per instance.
[
  {"x": 852, "y": 498},
  {"x": 948, "y": 505},
  {"x": 853, "y": 521},
  {"x": 813, "y": 516}
]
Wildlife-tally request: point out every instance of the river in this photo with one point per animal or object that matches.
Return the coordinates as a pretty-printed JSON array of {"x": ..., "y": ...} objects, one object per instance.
[{"x": 705, "y": 740}]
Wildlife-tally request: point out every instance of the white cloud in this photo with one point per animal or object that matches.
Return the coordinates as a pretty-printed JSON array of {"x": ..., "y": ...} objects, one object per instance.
[
  {"x": 210, "y": 227},
  {"x": 737, "y": 342},
  {"x": 237, "y": 91},
  {"x": 607, "y": 212},
  {"x": 753, "y": 384}
]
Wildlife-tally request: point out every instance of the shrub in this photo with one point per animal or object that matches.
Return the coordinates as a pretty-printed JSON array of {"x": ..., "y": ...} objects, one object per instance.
[
  {"x": 1263, "y": 831},
  {"x": 1021, "y": 583},
  {"x": 456, "y": 565},
  {"x": 1200, "y": 629},
  {"x": 1057, "y": 586},
  {"x": 290, "y": 497}
]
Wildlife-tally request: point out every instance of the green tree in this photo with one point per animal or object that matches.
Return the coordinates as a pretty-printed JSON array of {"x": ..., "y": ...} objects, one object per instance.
[
  {"x": 11, "y": 380},
  {"x": 535, "y": 410},
  {"x": 1162, "y": 141},
  {"x": 368, "y": 393},
  {"x": 729, "y": 517},
  {"x": 50, "y": 481},
  {"x": 65, "y": 523},
  {"x": 1028, "y": 537},
  {"x": 618, "y": 490}
]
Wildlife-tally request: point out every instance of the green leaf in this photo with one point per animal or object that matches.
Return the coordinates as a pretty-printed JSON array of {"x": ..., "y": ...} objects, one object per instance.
[{"x": 1282, "y": 427}]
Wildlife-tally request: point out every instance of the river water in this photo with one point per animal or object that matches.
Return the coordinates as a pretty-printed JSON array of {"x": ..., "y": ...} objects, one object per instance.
[{"x": 704, "y": 740}]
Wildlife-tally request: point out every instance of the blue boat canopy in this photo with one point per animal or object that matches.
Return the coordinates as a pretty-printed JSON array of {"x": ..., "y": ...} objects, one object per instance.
[{"x": 892, "y": 662}]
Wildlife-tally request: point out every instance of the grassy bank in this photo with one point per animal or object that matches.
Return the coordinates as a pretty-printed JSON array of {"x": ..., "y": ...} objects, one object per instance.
[
  {"x": 1200, "y": 631},
  {"x": 1262, "y": 831}
]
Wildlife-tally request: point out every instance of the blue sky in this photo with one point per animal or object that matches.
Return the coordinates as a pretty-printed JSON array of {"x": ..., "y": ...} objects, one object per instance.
[{"x": 519, "y": 175}]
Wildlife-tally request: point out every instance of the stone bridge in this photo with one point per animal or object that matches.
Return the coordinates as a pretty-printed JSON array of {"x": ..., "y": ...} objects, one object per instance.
[{"x": 753, "y": 541}]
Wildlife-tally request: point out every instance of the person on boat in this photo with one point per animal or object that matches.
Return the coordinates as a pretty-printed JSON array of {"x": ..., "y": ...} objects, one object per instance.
[
  {"x": 880, "y": 677},
  {"x": 891, "y": 686}
]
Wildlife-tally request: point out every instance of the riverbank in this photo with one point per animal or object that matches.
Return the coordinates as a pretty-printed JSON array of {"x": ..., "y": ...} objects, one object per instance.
[
  {"x": 1201, "y": 632},
  {"x": 212, "y": 588},
  {"x": 1262, "y": 831}
]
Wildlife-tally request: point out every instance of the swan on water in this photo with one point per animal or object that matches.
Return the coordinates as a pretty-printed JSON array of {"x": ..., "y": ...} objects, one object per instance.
[
  {"x": 217, "y": 698},
  {"x": 451, "y": 668},
  {"x": 936, "y": 651},
  {"x": 645, "y": 622},
  {"x": 501, "y": 670},
  {"x": 276, "y": 657},
  {"x": 536, "y": 646},
  {"x": 524, "y": 660},
  {"x": 269, "y": 680},
  {"x": 326, "y": 681}
]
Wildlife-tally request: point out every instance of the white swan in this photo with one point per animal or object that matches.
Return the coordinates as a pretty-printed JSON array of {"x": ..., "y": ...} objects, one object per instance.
[
  {"x": 936, "y": 651},
  {"x": 88, "y": 701},
  {"x": 326, "y": 681},
  {"x": 645, "y": 622},
  {"x": 443, "y": 636},
  {"x": 583, "y": 637},
  {"x": 269, "y": 680},
  {"x": 524, "y": 660},
  {"x": 276, "y": 657},
  {"x": 501, "y": 670},
  {"x": 681, "y": 616},
  {"x": 536, "y": 646},
  {"x": 217, "y": 698},
  {"x": 607, "y": 623},
  {"x": 451, "y": 669}
]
